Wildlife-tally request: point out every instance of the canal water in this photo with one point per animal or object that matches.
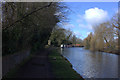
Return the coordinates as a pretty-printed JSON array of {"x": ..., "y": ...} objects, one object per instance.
[{"x": 92, "y": 64}]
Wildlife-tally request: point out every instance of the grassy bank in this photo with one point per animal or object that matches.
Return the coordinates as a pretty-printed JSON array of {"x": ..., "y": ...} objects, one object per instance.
[{"x": 61, "y": 67}]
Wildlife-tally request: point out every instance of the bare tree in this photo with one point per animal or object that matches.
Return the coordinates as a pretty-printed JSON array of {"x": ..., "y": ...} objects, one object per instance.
[{"x": 116, "y": 24}]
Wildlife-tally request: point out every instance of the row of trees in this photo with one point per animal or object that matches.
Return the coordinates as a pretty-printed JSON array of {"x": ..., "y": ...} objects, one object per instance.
[
  {"x": 106, "y": 36},
  {"x": 28, "y": 24},
  {"x": 60, "y": 36}
]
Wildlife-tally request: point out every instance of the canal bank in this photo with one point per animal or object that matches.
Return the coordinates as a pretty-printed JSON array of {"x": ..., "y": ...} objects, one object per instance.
[
  {"x": 61, "y": 67},
  {"x": 117, "y": 52}
]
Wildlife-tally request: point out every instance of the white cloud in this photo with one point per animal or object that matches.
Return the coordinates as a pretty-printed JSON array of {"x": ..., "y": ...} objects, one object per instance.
[
  {"x": 68, "y": 25},
  {"x": 92, "y": 16},
  {"x": 78, "y": 34},
  {"x": 80, "y": 18},
  {"x": 87, "y": 26},
  {"x": 95, "y": 16},
  {"x": 81, "y": 21},
  {"x": 88, "y": 33}
]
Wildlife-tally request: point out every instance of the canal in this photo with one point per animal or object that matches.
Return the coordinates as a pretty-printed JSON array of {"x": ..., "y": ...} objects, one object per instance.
[{"x": 92, "y": 64}]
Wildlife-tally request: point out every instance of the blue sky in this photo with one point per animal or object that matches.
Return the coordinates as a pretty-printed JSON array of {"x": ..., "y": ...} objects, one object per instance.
[{"x": 86, "y": 14}]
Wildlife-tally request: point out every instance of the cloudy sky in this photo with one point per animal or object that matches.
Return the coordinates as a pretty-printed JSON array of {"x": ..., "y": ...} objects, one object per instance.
[{"x": 86, "y": 14}]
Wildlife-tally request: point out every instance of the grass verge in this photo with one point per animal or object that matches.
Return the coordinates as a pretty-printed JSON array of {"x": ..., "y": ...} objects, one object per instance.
[{"x": 61, "y": 67}]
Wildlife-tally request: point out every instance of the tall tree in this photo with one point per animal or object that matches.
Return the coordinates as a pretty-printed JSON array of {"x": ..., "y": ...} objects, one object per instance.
[
  {"x": 116, "y": 24},
  {"x": 87, "y": 41},
  {"x": 27, "y": 24}
]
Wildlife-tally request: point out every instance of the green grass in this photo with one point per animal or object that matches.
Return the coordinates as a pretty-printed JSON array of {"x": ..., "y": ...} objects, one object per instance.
[{"x": 61, "y": 67}]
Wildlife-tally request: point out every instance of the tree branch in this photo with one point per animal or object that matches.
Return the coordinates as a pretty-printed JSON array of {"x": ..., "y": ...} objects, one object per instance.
[
  {"x": 106, "y": 41},
  {"x": 28, "y": 15},
  {"x": 116, "y": 26}
]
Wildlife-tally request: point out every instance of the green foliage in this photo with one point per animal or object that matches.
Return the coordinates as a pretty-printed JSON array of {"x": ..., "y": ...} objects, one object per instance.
[
  {"x": 60, "y": 36},
  {"x": 33, "y": 31}
]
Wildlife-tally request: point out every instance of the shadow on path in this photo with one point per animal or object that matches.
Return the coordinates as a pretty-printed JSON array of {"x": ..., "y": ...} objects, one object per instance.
[{"x": 37, "y": 67}]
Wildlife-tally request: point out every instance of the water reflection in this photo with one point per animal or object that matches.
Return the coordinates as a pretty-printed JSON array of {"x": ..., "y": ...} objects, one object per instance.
[{"x": 92, "y": 64}]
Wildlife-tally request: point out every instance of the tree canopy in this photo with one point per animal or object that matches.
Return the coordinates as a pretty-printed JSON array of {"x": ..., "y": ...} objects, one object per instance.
[{"x": 28, "y": 24}]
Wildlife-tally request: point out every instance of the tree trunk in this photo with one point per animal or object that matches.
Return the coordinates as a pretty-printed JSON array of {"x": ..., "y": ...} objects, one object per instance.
[{"x": 107, "y": 42}]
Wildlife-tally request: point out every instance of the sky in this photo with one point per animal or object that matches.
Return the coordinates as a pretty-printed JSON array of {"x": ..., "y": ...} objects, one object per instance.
[{"x": 83, "y": 15}]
